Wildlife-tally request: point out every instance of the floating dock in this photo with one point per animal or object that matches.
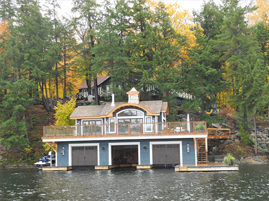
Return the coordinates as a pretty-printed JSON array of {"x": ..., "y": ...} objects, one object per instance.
[
  {"x": 56, "y": 168},
  {"x": 213, "y": 168},
  {"x": 108, "y": 167}
]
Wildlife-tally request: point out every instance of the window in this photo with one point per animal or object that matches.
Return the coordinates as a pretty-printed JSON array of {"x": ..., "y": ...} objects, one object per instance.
[
  {"x": 95, "y": 125},
  {"x": 133, "y": 97},
  {"x": 112, "y": 128},
  {"x": 130, "y": 113},
  {"x": 148, "y": 124}
]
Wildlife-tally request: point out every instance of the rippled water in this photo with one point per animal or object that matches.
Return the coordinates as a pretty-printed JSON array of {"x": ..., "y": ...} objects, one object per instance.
[{"x": 250, "y": 183}]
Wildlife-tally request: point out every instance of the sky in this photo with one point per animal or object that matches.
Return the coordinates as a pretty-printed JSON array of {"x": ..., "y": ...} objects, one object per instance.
[{"x": 184, "y": 4}]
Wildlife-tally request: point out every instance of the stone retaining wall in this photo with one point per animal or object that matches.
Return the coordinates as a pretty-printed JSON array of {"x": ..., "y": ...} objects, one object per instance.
[{"x": 262, "y": 138}]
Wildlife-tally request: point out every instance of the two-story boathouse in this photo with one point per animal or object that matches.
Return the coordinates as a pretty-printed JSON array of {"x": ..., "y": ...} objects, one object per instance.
[{"x": 133, "y": 133}]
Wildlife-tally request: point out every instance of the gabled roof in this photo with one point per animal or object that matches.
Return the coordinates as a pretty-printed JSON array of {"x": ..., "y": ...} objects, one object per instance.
[
  {"x": 153, "y": 108},
  {"x": 100, "y": 80}
]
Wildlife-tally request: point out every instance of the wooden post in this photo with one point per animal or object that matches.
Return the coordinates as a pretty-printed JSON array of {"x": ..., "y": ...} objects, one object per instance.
[
  {"x": 193, "y": 127},
  {"x": 206, "y": 148},
  {"x": 154, "y": 125},
  {"x": 67, "y": 133},
  {"x": 55, "y": 131},
  {"x": 91, "y": 130},
  {"x": 44, "y": 130},
  {"x": 129, "y": 130},
  {"x": 166, "y": 128},
  {"x": 142, "y": 128},
  {"x": 194, "y": 141},
  {"x": 104, "y": 131},
  {"x": 79, "y": 130}
]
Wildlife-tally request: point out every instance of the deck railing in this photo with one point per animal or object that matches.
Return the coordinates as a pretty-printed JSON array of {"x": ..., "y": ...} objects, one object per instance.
[
  {"x": 110, "y": 130},
  {"x": 219, "y": 133}
]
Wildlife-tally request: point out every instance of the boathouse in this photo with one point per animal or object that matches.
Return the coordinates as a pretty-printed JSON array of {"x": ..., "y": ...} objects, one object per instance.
[{"x": 133, "y": 133}]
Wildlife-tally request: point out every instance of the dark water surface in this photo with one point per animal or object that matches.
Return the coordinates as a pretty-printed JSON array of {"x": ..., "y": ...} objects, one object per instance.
[{"x": 250, "y": 183}]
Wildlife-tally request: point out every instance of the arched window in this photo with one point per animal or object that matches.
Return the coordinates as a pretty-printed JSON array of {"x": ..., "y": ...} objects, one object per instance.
[{"x": 129, "y": 113}]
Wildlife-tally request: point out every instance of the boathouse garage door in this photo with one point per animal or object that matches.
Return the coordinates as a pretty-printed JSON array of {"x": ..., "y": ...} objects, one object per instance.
[
  {"x": 166, "y": 154},
  {"x": 84, "y": 156}
]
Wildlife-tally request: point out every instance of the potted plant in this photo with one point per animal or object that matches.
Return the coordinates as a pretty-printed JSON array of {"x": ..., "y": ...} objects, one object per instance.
[
  {"x": 200, "y": 127},
  {"x": 229, "y": 159}
]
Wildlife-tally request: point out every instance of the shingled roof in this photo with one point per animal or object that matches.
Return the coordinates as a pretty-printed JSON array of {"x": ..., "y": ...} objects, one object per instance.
[
  {"x": 100, "y": 80},
  {"x": 98, "y": 111}
]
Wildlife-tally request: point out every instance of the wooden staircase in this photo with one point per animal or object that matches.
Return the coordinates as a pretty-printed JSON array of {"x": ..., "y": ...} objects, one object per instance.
[{"x": 202, "y": 155}]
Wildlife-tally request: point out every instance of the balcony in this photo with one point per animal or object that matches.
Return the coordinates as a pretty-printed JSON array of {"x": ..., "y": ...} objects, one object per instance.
[{"x": 125, "y": 130}]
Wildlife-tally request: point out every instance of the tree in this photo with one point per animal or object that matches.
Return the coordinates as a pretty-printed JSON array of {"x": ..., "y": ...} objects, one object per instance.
[
  {"x": 63, "y": 112},
  {"x": 111, "y": 53},
  {"x": 203, "y": 74},
  {"x": 85, "y": 22},
  {"x": 261, "y": 13},
  {"x": 237, "y": 43}
]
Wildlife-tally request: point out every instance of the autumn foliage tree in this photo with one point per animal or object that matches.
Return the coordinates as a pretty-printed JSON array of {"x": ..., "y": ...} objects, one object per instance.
[{"x": 63, "y": 112}]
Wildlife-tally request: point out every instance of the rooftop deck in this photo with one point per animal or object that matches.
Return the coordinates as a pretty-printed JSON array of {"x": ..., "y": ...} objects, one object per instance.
[{"x": 120, "y": 130}]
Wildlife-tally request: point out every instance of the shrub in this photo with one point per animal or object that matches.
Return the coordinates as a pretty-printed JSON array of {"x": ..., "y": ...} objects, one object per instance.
[
  {"x": 63, "y": 112},
  {"x": 245, "y": 138},
  {"x": 228, "y": 159}
]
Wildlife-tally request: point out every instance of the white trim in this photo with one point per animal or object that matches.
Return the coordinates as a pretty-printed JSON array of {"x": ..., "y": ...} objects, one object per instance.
[
  {"x": 145, "y": 124},
  {"x": 166, "y": 142},
  {"x": 123, "y": 138},
  {"x": 130, "y": 117},
  {"x": 56, "y": 158},
  {"x": 83, "y": 145},
  {"x": 195, "y": 151},
  {"x": 115, "y": 124},
  {"x": 120, "y": 144}
]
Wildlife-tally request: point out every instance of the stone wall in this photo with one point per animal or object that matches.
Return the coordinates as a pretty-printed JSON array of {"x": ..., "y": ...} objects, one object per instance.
[{"x": 262, "y": 138}]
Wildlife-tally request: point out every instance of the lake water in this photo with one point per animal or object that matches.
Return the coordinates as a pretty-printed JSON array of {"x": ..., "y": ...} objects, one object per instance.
[{"x": 250, "y": 183}]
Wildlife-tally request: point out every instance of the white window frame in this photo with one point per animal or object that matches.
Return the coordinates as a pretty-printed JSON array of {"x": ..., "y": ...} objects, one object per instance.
[
  {"x": 121, "y": 144},
  {"x": 115, "y": 124},
  {"x": 163, "y": 120},
  {"x": 92, "y": 120},
  {"x": 130, "y": 117},
  {"x": 164, "y": 143},
  {"x": 83, "y": 145},
  {"x": 146, "y": 123}
]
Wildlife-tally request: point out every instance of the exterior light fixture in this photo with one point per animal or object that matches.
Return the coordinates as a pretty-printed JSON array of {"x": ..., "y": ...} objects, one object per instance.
[
  {"x": 145, "y": 147},
  {"x": 103, "y": 148},
  {"x": 188, "y": 147},
  {"x": 62, "y": 150}
]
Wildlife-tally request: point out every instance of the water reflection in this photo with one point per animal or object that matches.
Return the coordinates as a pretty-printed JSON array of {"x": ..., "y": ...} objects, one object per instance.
[{"x": 250, "y": 183}]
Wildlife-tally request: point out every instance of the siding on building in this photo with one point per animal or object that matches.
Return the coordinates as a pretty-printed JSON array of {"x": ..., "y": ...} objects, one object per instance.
[{"x": 188, "y": 158}]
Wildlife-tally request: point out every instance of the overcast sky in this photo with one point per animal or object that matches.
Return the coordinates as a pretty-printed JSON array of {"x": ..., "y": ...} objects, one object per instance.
[{"x": 184, "y": 4}]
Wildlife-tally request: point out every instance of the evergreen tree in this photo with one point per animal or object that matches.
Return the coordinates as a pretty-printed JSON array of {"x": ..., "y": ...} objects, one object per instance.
[
  {"x": 85, "y": 23},
  {"x": 111, "y": 53},
  {"x": 237, "y": 43}
]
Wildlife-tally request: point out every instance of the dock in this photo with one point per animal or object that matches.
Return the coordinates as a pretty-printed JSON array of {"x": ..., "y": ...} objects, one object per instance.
[
  {"x": 56, "y": 168},
  {"x": 205, "y": 168}
]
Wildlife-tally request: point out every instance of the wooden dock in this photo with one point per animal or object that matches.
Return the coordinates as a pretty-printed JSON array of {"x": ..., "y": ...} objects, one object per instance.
[
  {"x": 56, "y": 168},
  {"x": 204, "y": 168}
]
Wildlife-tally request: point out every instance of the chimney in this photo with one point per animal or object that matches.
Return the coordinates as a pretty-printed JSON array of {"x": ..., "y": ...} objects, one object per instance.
[{"x": 113, "y": 101}]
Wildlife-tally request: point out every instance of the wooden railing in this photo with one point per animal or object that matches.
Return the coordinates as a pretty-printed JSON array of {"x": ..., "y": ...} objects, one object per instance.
[
  {"x": 136, "y": 129},
  {"x": 219, "y": 133}
]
